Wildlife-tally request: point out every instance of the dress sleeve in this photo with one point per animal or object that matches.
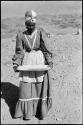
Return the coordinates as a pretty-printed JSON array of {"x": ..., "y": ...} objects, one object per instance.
[
  {"x": 47, "y": 53},
  {"x": 19, "y": 52}
]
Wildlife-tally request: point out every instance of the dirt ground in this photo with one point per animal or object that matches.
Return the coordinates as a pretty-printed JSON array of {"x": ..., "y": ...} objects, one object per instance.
[{"x": 66, "y": 79}]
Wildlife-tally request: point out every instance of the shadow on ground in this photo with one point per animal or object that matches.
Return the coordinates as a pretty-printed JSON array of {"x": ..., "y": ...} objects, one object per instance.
[{"x": 10, "y": 95}]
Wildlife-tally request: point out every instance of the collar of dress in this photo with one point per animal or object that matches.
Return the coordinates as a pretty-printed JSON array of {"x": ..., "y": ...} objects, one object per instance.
[{"x": 34, "y": 33}]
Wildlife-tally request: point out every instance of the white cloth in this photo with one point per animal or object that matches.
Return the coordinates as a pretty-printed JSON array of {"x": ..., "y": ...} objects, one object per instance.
[{"x": 33, "y": 58}]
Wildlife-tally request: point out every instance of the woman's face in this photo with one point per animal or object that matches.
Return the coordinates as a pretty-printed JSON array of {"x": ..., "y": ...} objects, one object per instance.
[{"x": 30, "y": 23}]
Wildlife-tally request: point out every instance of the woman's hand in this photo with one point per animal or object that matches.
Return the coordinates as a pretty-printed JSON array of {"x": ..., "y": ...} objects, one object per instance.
[
  {"x": 51, "y": 65},
  {"x": 15, "y": 68}
]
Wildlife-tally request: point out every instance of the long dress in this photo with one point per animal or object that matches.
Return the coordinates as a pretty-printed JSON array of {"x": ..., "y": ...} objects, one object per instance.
[{"x": 34, "y": 87}]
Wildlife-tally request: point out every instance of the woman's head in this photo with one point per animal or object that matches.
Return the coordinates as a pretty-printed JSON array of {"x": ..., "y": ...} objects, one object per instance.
[{"x": 30, "y": 20}]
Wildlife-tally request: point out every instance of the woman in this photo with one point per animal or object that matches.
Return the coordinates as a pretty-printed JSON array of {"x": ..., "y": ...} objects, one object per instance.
[{"x": 34, "y": 89}]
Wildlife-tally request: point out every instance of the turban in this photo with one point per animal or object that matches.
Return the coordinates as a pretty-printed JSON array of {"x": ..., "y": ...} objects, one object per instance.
[{"x": 31, "y": 14}]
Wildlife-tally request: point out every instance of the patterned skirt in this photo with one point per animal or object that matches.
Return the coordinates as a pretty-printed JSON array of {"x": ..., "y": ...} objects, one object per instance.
[{"x": 34, "y": 89}]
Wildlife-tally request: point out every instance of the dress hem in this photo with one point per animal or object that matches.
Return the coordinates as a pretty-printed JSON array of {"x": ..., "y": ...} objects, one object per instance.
[{"x": 37, "y": 108}]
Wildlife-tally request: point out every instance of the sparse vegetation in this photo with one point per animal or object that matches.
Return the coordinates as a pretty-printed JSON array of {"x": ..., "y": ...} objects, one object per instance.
[{"x": 10, "y": 26}]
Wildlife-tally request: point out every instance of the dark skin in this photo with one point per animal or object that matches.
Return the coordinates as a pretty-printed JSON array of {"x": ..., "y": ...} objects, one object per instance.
[{"x": 15, "y": 68}]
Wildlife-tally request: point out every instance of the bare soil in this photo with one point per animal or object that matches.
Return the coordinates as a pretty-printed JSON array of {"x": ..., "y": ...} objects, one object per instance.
[{"x": 66, "y": 78}]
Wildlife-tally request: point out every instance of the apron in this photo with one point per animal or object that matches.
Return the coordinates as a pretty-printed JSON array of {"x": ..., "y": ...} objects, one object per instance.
[{"x": 32, "y": 58}]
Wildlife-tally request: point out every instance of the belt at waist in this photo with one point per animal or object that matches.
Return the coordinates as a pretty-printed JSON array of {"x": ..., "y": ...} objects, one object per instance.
[{"x": 33, "y": 50}]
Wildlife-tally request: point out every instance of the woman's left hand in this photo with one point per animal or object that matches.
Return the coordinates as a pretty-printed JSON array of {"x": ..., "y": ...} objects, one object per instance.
[{"x": 51, "y": 65}]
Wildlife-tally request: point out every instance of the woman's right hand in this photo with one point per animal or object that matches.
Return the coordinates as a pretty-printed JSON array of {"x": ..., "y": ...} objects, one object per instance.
[{"x": 15, "y": 68}]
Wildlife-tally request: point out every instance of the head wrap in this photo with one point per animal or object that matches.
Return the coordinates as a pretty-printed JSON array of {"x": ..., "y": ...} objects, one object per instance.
[
  {"x": 31, "y": 14},
  {"x": 30, "y": 24}
]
